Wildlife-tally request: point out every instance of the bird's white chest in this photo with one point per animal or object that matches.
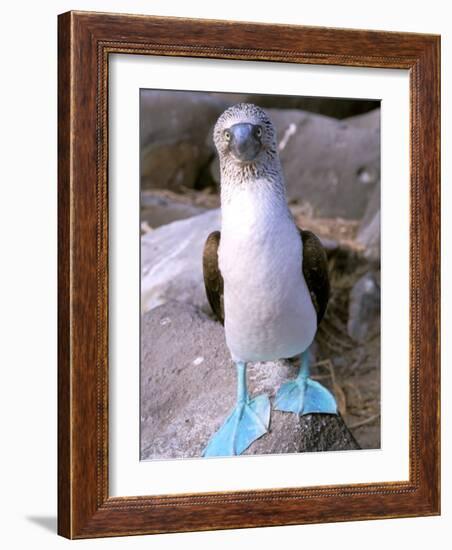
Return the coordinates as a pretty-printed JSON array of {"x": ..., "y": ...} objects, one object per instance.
[{"x": 268, "y": 309}]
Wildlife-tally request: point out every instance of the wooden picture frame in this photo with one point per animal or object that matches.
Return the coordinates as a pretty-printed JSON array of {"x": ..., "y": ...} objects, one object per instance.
[{"x": 85, "y": 42}]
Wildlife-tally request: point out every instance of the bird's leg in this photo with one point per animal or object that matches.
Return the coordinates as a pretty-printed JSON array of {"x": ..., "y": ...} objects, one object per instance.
[
  {"x": 247, "y": 422},
  {"x": 304, "y": 395}
]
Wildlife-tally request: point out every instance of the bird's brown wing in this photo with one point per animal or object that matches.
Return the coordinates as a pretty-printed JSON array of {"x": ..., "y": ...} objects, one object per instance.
[
  {"x": 315, "y": 271},
  {"x": 213, "y": 280}
]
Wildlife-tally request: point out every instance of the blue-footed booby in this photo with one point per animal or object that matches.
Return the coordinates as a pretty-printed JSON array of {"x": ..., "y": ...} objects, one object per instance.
[{"x": 265, "y": 279}]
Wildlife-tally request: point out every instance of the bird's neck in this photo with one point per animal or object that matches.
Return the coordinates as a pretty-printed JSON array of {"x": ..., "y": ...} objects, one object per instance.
[
  {"x": 256, "y": 202},
  {"x": 260, "y": 178}
]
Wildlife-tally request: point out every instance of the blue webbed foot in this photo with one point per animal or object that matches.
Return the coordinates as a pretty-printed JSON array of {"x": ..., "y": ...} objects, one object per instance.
[
  {"x": 304, "y": 395},
  {"x": 248, "y": 421}
]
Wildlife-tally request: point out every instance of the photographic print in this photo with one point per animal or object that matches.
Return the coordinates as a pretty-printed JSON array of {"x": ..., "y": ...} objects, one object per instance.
[
  {"x": 260, "y": 274},
  {"x": 253, "y": 330}
]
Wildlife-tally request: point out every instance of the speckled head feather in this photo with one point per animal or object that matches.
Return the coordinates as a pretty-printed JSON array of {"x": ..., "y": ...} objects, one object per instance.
[
  {"x": 244, "y": 112},
  {"x": 266, "y": 163}
]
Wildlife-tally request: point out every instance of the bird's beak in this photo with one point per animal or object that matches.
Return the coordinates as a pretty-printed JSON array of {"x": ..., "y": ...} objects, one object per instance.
[{"x": 244, "y": 144}]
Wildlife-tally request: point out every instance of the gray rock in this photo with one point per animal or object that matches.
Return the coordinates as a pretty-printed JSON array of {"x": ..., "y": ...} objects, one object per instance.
[
  {"x": 171, "y": 262},
  {"x": 373, "y": 206},
  {"x": 369, "y": 232},
  {"x": 368, "y": 121},
  {"x": 370, "y": 237},
  {"x": 364, "y": 307},
  {"x": 157, "y": 210},
  {"x": 332, "y": 165},
  {"x": 174, "y": 126},
  {"x": 188, "y": 387}
]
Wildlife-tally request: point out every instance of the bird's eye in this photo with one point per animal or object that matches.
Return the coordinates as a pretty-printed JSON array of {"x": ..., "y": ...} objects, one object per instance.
[
  {"x": 259, "y": 132},
  {"x": 227, "y": 135}
]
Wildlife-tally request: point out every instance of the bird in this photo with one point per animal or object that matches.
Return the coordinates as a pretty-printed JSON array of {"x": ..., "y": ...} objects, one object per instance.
[{"x": 265, "y": 278}]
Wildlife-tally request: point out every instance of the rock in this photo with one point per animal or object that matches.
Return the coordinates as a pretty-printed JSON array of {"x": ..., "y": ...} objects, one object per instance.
[
  {"x": 369, "y": 230},
  {"x": 373, "y": 206},
  {"x": 188, "y": 387},
  {"x": 174, "y": 127},
  {"x": 290, "y": 433},
  {"x": 369, "y": 237},
  {"x": 332, "y": 165},
  {"x": 157, "y": 209},
  {"x": 366, "y": 121},
  {"x": 171, "y": 262},
  {"x": 364, "y": 307}
]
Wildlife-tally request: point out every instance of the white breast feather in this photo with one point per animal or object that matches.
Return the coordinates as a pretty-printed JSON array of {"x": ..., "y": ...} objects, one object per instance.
[{"x": 268, "y": 309}]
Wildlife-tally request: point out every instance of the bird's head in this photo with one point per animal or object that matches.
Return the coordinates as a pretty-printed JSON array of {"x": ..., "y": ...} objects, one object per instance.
[{"x": 245, "y": 136}]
